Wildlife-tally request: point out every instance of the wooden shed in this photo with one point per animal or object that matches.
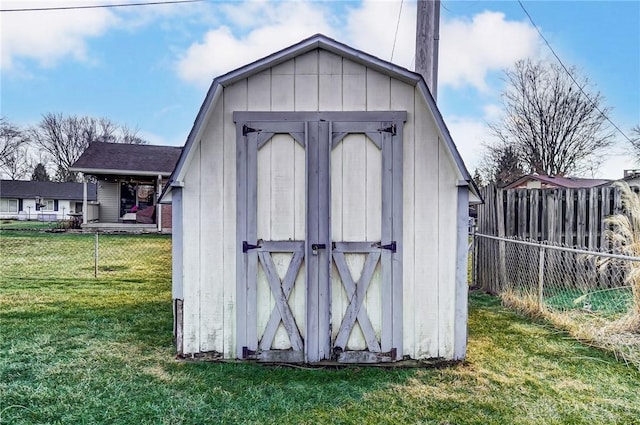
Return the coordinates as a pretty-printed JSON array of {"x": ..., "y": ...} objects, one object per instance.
[{"x": 320, "y": 213}]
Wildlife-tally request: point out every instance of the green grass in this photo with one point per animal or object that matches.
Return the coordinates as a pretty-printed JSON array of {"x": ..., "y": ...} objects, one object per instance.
[
  {"x": 31, "y": 224},
  {"x": 98, "y": 351},
  {"x": 44, "y": 255},
  {"x": 612, "y": 301}
]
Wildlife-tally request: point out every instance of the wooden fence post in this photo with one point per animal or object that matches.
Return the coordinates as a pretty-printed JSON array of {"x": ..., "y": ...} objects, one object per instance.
[{"x": 502, "y": 251}]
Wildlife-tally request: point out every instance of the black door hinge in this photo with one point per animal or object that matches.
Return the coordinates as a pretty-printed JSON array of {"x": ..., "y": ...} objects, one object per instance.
[
  {"x": 246, "y": 130},
  {"x": 391, "y": 354},
  {"x": 391, "y": 246},
  {"x": 247, "y": 246},
  {"x": 248, "y": 354},
  {"x": 391, "y": 129}
]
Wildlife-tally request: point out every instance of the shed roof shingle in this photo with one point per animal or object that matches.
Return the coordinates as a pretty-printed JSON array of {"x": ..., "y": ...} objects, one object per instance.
[
  {"x": 120, "y": 158},
  {"x": 26, "y": 189}
]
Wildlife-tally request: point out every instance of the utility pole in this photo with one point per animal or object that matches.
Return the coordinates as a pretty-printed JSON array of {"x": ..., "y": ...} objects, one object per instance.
[{"x": 427, "y": 38}]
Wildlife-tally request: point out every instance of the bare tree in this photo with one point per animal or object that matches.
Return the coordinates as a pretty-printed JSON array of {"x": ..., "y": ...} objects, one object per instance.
[
  {"x": 13, "y": 150},
  {"x": 553, "y": 127},
  {"x": 65, "y": 138},
  {"x": 635, "y": 141}
]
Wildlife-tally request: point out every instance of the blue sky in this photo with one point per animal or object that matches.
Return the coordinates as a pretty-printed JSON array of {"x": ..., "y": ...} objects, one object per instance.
[{"x": 149, "y": 67}]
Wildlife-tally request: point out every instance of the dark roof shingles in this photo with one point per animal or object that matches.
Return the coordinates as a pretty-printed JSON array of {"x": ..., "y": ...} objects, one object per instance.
[
  {"x": 558, "y": 181},
  {"x": 26, "y": 189},
  {"x": 128, "y": 157}
]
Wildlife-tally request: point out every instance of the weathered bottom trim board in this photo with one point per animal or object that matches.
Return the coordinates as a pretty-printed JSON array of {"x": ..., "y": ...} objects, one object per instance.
[
  {"x": 327, "y": 364},
  {"x": 178, "y": 317},
  {"x": 275, "y": 356},
  {"x": 206, "y": 356},
  {"x": 365, "y": 357}
]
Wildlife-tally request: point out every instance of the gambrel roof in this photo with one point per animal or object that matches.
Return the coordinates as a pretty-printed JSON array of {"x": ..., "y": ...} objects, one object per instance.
[{"x": 322, "y": 42}]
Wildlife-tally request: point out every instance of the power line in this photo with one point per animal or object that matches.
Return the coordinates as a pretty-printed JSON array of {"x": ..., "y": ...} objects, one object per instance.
[
  {"x": 99, "y": 6},
  {"x": 569, "y": 72},
  {"x": 395, "y": 37}
]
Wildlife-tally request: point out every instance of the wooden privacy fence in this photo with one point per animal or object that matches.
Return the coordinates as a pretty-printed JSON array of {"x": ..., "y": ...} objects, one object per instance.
[{"x": 573, "y": 217}]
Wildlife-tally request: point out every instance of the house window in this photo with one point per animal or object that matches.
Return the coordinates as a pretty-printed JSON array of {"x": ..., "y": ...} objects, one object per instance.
[
  {"x": 136, "y": 195},
  {"x": 48, "y": 205},
  {"x": 8, "y": 205}
]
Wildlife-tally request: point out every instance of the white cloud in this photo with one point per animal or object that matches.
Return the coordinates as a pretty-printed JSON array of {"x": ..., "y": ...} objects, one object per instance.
[
  {"x": 469, "y": 49},
  {"x": 281, "y": 24},
  {"x": 470, "y": 135},
  {"x": 372, "y": 28},
  {"x": 221, "y": 50},
  {"x": 48, "y": 36}
]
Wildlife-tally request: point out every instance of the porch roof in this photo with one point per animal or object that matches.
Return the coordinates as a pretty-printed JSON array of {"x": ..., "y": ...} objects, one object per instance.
[{"x": 127, "y": 159}]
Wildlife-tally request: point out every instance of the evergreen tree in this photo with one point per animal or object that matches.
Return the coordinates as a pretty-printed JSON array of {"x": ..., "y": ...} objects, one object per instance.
[{"x": 40, "y": 173}]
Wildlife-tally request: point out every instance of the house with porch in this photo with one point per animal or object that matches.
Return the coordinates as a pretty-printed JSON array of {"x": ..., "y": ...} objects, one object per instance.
[
  {"x": 129, "y": 179},
  {"x": 44, "y": 201}
]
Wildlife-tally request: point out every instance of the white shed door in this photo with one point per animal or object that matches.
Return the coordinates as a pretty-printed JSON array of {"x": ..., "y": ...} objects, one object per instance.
[{"x": 319, "y": 236}]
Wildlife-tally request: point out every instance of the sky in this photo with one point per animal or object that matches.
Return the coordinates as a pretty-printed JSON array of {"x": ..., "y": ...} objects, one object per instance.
[{"x": 149, "y": 67}]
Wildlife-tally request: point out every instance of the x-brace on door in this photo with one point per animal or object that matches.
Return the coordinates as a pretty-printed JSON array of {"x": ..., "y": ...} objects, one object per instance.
[{"x": 319, "y": 236}]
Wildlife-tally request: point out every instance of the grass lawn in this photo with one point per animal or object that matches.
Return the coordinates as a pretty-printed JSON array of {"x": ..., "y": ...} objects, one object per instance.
[
  {"x": 31, "y": 224},
  {"x": 98, "y": 351}
]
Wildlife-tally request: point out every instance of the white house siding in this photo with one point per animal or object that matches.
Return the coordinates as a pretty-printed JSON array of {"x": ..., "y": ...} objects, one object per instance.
[
  {"x": 316, "y": 81},
  {"x": 29, "y": 212}
]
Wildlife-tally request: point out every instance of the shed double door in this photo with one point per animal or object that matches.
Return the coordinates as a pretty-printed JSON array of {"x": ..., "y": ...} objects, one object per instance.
[{"x": 319, "y": 237}]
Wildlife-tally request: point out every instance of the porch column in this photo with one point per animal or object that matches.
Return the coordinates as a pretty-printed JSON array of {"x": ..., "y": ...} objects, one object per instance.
[
  {"x": 84, "y": 199},
  {"x": 158, "y": 206}
]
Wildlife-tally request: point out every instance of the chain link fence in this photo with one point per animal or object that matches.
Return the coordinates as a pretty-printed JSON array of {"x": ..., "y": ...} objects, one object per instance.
[
  {"x": 589, "y": 293},
  {"x": 47, "y": 254}
]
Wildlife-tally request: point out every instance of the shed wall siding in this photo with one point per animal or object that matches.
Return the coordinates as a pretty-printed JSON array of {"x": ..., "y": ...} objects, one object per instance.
[
  {"x": 425, "y": 192},
  {"x": 320, "y": 80},
  {"x": 447, "y": 244},
  {"x": 192, "y": 284},
  {"x": 211, "y": 251}
]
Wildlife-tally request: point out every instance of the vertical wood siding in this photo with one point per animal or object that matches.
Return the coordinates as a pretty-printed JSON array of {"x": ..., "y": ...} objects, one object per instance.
[
  {"x": 356, "y": 204},
  {"x": 108, "y": 196},
  {"x": 281, "y": 217},
  {"x": 320, "y": 80}
]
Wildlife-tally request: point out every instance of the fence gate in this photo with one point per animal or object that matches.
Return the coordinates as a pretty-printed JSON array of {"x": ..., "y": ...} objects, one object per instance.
[{"x": 319, "y": 236}]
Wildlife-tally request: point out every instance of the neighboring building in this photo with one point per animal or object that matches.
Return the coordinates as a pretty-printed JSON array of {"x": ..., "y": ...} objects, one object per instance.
[
  {"x": 320, "y": 213},
  {"x": 46, "y": 201},
  {"x": 129, "y": 179},
  {"x": 541, "y": 181},
  {"x": 632, "y": 177}
]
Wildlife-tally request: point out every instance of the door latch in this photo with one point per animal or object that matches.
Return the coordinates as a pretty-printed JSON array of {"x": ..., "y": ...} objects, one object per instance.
[{"x": 316, "y": 246}]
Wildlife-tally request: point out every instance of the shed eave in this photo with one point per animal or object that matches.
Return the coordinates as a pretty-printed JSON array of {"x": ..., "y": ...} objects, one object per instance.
[
  {"x": 450, "y": 144},
  {"x": 214, "y": 93},
  {"x": 323, "y": 42}
]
